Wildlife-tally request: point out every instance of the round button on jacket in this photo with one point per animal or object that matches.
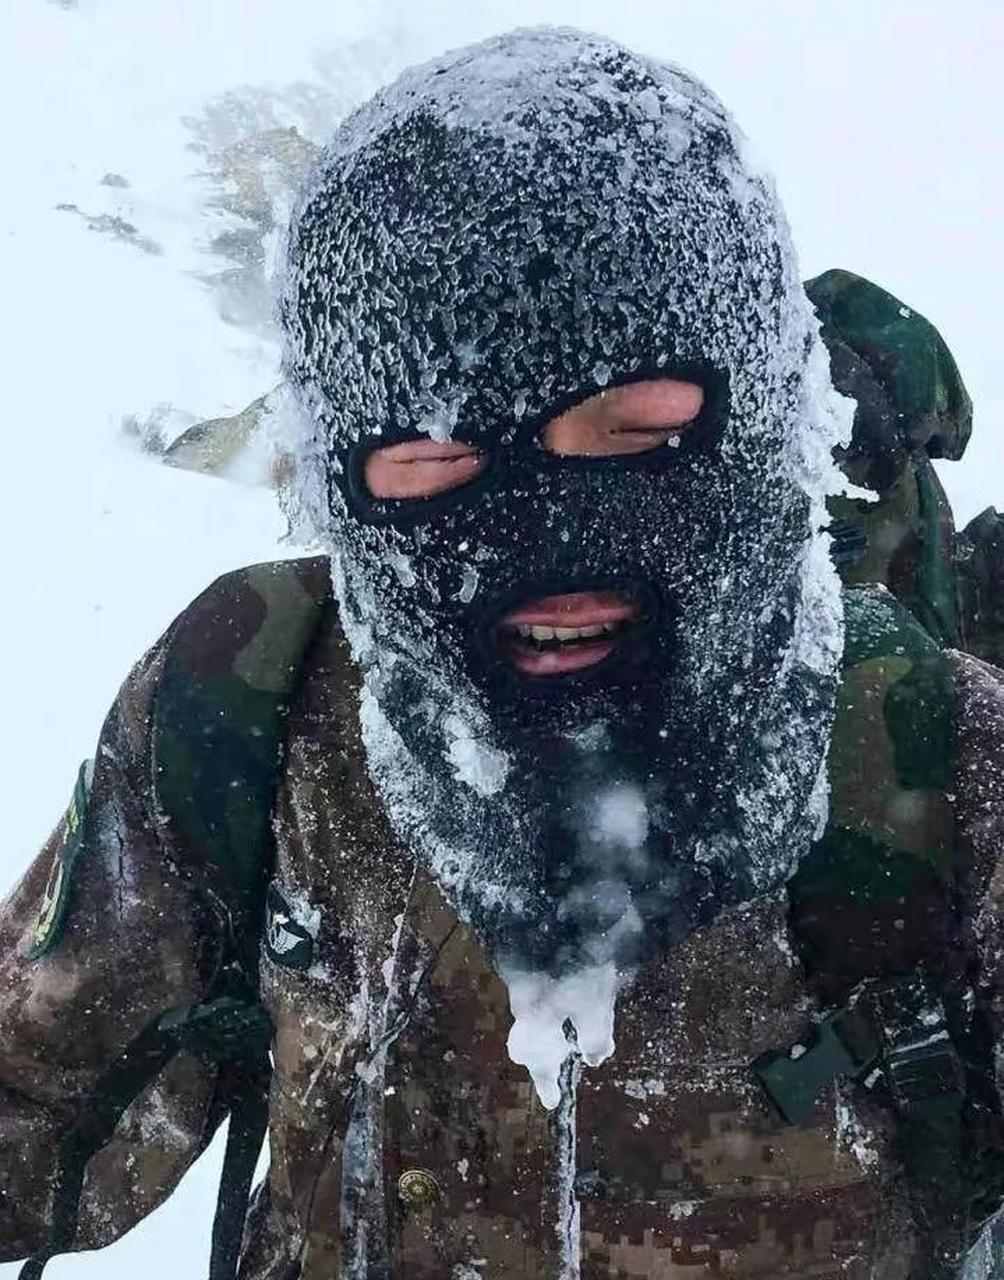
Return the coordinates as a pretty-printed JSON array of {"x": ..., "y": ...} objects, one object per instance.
[{"x": 419, "y": 1189}]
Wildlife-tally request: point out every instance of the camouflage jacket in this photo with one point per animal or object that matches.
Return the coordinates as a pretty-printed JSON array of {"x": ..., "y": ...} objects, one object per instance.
[{"x": 389, "y": 1028}]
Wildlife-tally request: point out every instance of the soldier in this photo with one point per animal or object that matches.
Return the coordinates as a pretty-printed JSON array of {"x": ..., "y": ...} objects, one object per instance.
[{"x": 501, "y": 872}]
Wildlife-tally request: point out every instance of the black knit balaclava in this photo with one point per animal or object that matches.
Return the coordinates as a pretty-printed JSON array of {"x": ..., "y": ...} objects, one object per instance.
[{"x": 497, "y": 236}]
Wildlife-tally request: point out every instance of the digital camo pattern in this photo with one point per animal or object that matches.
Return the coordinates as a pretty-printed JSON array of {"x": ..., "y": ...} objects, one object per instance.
[
  {"x": 392, "y": 1041},
  {"x": 677, "y": 1151}
]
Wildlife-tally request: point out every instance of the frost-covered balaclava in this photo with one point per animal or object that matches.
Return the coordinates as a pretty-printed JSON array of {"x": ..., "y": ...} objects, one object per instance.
[{"x": 497, "y": 236}]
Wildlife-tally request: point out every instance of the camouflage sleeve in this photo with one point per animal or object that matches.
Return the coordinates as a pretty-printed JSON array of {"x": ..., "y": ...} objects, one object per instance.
[{"x": 102, "y": 935}]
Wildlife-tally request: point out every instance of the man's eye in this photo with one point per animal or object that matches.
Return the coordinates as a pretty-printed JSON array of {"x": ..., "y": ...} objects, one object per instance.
[
  {"x": 421, "y": 468},
  {"x": 650, "y": 437},
  {"x": 636, "y": 418},
  {"x": 586, "y": 440}
]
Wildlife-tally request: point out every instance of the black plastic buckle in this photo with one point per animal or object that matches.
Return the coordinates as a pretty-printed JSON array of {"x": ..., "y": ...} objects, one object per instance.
[
  {"x": 845, "y": 1043},
  {"x": 897, "y": 1029}
]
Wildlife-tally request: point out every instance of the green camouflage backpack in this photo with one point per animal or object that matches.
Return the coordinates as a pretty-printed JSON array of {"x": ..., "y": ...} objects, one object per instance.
[
  {"x": 873, "y": 905},
  {"x": 911, "y": 408},
  {"x": 874, "y": 919}
]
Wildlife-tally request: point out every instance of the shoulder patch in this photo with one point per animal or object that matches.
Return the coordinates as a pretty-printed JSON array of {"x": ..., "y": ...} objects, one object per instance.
[{"x": 58, "y": 886}]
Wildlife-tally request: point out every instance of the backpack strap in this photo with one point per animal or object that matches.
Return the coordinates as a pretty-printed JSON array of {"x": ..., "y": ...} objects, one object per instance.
[
  {"x": 874, "y": 898},
  {"x": 221, "y": 707},
  {"x": 232, "y": 666},
  {"x": 245, "y": 1134}
]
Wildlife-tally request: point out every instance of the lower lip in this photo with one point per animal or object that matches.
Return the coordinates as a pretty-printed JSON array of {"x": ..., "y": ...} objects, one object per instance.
[{"x": 559, "y": 661}]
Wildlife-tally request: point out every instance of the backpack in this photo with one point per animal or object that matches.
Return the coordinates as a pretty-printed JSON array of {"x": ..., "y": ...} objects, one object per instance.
[{"x": 875, "y": 922}]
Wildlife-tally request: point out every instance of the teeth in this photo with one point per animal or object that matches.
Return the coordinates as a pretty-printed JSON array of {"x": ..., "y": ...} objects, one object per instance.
[{"x": 565, "y": 633}]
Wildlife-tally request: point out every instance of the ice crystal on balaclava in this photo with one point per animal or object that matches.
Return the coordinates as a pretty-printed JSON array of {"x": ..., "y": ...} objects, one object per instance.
[{"x": 495, "y": 237}]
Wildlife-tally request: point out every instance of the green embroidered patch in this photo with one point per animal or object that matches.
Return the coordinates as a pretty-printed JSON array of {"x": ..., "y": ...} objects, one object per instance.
[{"x": 56, "y": 899}]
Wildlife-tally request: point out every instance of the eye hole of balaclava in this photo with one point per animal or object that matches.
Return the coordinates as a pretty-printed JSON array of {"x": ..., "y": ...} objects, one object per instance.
[{"x": 520, "y": 449}]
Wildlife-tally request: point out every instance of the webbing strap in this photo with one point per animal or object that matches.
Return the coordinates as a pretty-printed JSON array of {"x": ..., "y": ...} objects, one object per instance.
[{"x": 248, "y": 1126}]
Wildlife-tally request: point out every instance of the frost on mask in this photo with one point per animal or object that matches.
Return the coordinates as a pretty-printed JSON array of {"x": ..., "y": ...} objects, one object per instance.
[{"x": 495, "y": 237}]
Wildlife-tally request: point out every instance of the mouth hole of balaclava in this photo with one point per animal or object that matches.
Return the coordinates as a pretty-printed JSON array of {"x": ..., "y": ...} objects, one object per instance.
[{"x": 628, "y": 660}]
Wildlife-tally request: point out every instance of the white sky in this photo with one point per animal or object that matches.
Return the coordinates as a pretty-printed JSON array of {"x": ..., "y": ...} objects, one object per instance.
[{"x": 881, "y": 121}]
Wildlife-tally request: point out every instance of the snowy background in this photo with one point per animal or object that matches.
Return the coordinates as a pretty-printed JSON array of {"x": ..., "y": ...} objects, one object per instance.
[{"x": 882, "y": 125}]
